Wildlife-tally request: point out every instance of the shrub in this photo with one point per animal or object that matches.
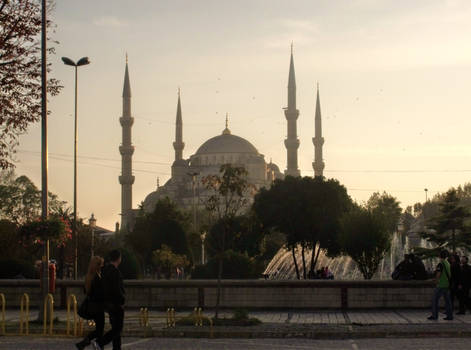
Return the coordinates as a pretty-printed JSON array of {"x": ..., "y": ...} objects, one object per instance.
[
  {"x": 129, "y": 266},
  {"x": 12, "y": 268},
  {"x": 236, "y": 266}
]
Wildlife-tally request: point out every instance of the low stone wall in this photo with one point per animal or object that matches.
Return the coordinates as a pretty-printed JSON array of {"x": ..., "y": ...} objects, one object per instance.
[{"x": 250, "y": 294}]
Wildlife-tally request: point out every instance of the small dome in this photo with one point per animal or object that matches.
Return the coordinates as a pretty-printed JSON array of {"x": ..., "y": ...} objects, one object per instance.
[
  {"x": 273, "y": 167},
  {"x": 226, "y": 143}
]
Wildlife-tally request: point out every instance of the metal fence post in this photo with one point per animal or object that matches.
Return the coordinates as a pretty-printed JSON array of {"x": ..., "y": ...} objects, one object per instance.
[
  {"x": 24, "y": 314},
  {"x": 48, "y": 301}
]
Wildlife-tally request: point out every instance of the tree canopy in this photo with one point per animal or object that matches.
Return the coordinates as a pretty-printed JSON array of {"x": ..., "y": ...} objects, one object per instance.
[
  {"x": 307, "y": 211},
  {"x": 386, "y": 206},
  {"x": 20, "y": 72},
  {"x": 365, "y": 236},
  {"x": 20, "y": 199},
  {"x": 165, "y": 225},
  {"x": 449, "y": 229}
]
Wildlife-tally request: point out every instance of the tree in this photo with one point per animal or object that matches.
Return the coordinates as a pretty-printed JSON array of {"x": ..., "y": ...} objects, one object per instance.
[
  {"x": 386, "y": 206},
  {"x": 20, "y": 72},
  {"x": 365, "y": 237},
  {"x": 9, "y": 240},
  {"x": 229, "y": 196},
  {"x": 307, "y": 211},
  {"x": 448, "y": 229},
  {"x": 20, "y": 199},
  {"x": 165, "y": 261},
  {"x": 271, "y": 243},
  {"x": 165, "y": 225},
  {"x": 53, "y": 229},
  {"x": 244, "y": 236},
  {"x": 236, "y": 266}
]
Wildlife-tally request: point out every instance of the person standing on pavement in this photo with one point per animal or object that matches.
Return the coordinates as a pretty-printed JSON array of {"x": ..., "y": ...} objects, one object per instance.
[
  {"x": 95, "y": 292},
  {"x": 114, "y": 302},
  {"x": 464, "y": 285},
  {"x": 455, "y": 268},
  {"x": 442, "y": 278}
]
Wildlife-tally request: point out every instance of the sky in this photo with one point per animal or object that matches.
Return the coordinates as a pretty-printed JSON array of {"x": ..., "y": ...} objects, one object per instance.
[{"x": 394, "y": 79}]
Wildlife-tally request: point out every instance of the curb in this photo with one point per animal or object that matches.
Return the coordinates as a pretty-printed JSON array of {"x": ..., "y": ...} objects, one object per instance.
[
  {"x": 292, "y": 331},
  {"x": 346, "y": 332}
]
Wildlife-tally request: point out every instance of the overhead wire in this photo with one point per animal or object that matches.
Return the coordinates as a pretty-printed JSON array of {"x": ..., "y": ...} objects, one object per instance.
[{"x": 83, "y": 158}]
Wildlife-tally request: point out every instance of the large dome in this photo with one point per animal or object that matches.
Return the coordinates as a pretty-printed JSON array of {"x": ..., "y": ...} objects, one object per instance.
[{"x": 226, "y": 143}]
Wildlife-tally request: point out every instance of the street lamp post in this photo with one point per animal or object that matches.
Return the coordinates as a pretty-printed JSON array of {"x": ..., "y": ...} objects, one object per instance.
[
  {"x": 44, "y": 155},
  {"x": 92, "y": 224},
  {"x": 193, "y": 185},
  {"x": 203, "y": 237},
  {"x": 81, "y": 62},
  {"x": 426, "y": 191}
]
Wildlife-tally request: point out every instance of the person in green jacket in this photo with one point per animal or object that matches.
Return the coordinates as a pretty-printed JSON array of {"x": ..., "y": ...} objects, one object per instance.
[{"x": 442, "y": 278}]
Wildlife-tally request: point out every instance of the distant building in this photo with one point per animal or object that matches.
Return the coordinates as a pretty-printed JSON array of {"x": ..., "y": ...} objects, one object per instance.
[{"x": 185, "y": 186}]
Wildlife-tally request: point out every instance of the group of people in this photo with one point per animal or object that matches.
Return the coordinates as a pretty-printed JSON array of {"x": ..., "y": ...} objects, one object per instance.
[
  {"x": 105, "y": 292},
  {"x": 322, "y": 274},
  {"x": 411, "y": 268},
  {"x": 453, "y": 281}
]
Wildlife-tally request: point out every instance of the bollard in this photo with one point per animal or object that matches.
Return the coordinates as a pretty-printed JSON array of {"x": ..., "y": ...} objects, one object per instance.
[
  {"x": 211, "y": 330},
  {"x": 72, "y": 299},
  {"x": 171, "y": 317},
  {"x": 48, "y": 301},
  {"x": 2, "y": 300},
  {"x": 195, "y": 316},
  {"x": 198, "y": 316},
  {"x": 24, "y": 314},
  {"x": 80, "y": 327},
  {"x": 144, "y": 317}
]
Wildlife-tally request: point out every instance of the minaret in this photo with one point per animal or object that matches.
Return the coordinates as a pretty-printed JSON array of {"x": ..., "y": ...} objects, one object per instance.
[
  {"x": 291, "y": 114},
  {"x": 126, "y": 149},
  {"x": 318, "y": 164},
  {"x": 179, "y": 166},
  {"x": 178, "y": 145}
]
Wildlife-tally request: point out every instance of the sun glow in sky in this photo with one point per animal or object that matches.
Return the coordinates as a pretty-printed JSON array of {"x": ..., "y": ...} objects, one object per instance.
[{"x": 394, "y": 83}]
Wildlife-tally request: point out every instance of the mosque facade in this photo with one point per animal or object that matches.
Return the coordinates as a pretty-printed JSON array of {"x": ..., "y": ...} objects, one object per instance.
[{"x": 185, "y": 186}]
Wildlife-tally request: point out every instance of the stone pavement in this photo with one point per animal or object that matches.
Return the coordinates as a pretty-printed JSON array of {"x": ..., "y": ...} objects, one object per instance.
[
  {"x": 28, "y": 343},
  {"x": 321, "y": 324}
]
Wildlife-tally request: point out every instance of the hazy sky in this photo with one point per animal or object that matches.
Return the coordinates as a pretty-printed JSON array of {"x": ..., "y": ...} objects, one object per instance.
[{"x": 394, "y": 78}]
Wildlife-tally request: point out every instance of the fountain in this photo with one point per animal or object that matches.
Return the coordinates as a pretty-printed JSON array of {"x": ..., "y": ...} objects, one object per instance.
[{"x": 343, "y": 267}]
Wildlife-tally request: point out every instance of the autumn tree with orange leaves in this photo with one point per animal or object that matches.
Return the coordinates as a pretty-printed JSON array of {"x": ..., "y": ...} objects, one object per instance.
[{"x": 20, "y": 72}]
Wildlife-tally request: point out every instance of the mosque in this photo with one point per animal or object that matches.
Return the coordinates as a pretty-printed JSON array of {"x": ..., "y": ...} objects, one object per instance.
[{"x": 185, "y": 187}]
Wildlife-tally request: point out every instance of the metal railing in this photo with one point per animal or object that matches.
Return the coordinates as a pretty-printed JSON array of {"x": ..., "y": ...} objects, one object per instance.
[
  {"x": 78, "y": 324},
  {"x": 72, "y": 300},
  {"x": 171, "y": 322},
  {"x": 3, "y": 302},
  {"x": 144, "y": 317},
  {"x": 24, "y": 314},
  {"x": 48, "y": 301},
  {"x": 197, "y": 314},
  {"x": 171, "y": 319}
]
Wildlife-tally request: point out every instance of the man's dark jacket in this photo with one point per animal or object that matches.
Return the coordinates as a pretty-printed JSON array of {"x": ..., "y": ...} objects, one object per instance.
[{"x": 113, "y": 285}]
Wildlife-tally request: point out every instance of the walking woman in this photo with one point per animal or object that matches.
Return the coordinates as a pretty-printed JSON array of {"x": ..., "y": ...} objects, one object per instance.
[{"x": 95, "y": 292}]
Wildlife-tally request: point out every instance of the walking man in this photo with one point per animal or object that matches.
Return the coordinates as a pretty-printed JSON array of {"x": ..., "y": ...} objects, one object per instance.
[
  {"x": 114, "y": 301},
  {"x": 442, "y": 277}
]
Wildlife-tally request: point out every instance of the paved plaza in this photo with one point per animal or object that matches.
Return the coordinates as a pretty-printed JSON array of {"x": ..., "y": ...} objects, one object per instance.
[
  {"x": 370, "y": 317},
  {"x": 330, "y": 330},
  {"x": 17, "y": 343}
]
